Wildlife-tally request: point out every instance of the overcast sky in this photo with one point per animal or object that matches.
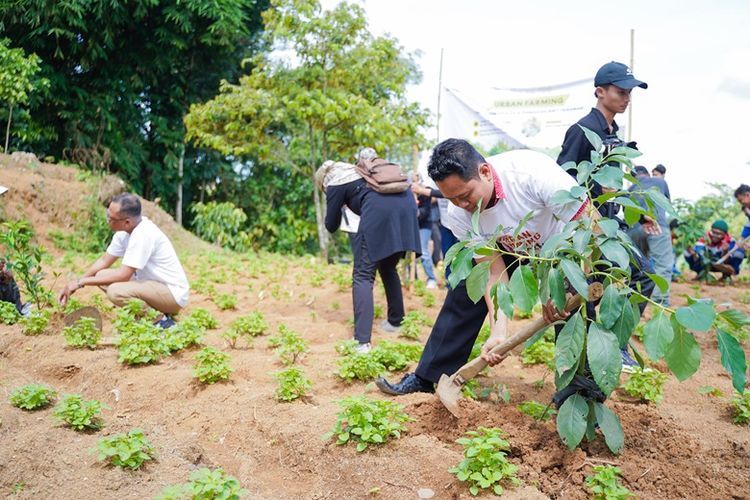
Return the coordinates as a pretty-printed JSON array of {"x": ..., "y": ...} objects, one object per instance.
[{"x": 695, "y": 56}]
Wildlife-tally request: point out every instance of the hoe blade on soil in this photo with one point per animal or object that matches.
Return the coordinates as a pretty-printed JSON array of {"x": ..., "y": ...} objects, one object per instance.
[
  {"x": 449, "y": 387},
  {"x": 88, "y": 311}
]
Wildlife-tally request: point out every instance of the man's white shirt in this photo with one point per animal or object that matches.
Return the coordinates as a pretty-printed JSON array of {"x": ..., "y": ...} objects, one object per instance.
[
  {"x": 148, "y": 250},
  {"x": 528, "y": 179}
]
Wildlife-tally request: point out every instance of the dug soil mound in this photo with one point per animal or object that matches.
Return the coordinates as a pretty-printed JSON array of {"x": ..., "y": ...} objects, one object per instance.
[{"x": 685, "y": 447}]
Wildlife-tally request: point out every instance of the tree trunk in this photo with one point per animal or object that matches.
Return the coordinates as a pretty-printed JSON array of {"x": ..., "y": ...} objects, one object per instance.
[
  {"x": 180, "y": 169},
  {"x": 7, "y": 129},
  {"x": 320, "y": 221}
]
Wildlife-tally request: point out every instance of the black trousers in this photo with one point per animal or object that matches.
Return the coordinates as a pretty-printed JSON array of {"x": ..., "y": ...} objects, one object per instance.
[
  {"x": 455, "y": 331},
  {"x": 363, "y": 279},
  {"x": 459, "y": 321}
]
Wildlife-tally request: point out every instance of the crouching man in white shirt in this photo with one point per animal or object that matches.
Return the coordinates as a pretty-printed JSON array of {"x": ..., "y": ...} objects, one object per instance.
[{"x": 150, "y": 269}]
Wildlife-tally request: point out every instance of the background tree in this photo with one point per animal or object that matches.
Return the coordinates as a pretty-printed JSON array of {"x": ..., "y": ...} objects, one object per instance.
[
  {"x": 123, "y": 75},
  {"x": 336, "y": 89},
  {"x": 17, "y": 80}
]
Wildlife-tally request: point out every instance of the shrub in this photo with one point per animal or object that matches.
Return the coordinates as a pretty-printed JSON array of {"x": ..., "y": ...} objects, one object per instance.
[
  {"x": 293, "y": 384},
  {"x": 78, "y": 413},
  {"x": 540, "y": 352},
  {"x": 289, "y": 345},
  {"x": 646, "y": 384},
  {"x": 185, "y": 333},
  {"x": 141, "y": 342},
  {"x": 741, "y": 407},
  {"x": 82, "y": 333},
  {"x": 128, "y": 451},
  {"x": 485, "y": 464},
  {"x": 396, "y": 356},
  {"x": 35, "y": 323},
  {"x": 251, "y": 324},
  {"x": 204, "y": 318},
  {"x": 32, "y": 396},
  {"x": 536, "y": 410},
  {"x": 205, "y": 484},
  {"x": 212, "y": 365},
  {"x": 368, "y": 422},
  {"x": 226, "y": 301},
  {"x": 605, "y": 484},
  {"x": 8, "y": 313},
  {"x": 411, "y": 327},
  {"x": 359, "y": 366}
]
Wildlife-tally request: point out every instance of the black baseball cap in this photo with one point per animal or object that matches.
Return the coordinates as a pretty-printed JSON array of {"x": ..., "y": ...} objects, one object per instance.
[{"x": 617, "y": 74}]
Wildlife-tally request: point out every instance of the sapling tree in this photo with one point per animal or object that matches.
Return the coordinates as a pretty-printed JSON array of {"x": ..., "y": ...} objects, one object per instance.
[{"x": 594, "y": 248}]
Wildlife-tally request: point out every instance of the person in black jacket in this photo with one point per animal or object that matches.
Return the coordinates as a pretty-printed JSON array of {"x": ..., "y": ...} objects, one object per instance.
[
  {"x": 614, "y": 82},
  {"x": 387, "y": 229}
]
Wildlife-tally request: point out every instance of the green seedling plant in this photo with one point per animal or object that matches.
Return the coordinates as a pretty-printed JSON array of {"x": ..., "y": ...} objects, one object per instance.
[
  {"x": 411, "y": 327},
  {"x": 25, "y": 260},
  {"x": 36, "y": 322},
  {"x": 204, "y": 318},
  {"x": 585, "y": 250},
  {"x": 604, "y": 484},
  {"x": 252, "y": 324},
  {"x": 185, "y": 333},
  {"x": 741, "y": 408},
  {"x": 537, "y": 410},
  {"x": 8, "y": 313},
  {"x": 226, "y": 301},
  {"x": 293, "y": 384},
  {"x": 708, "y": 390},
  {"x": 646, "y": 385},
  {"x": 32, "y": 396},
  {"x": 82, "y": 333},
  {"x": 420, "y": 288},
  {"x": 359, "y": 366},
  {"x": 379, "y": 312},
  {"x": 396, "y": 356},
  {"x": 485, "y": 465},
  {"x": 368, "y": 422},
  {"x": 205, "y": 484},
  {"x": 71, "y": 305},
  {"x": 128, "y": 451},
  {"x": 78, "y": 413},
  {"x": 541, "y": 352},
  {"x": 140, "y": 342},
  {"x": 428, "y": 300},
  {"x": 212, "y": 365},
  {"x": 289, "y": 345}
]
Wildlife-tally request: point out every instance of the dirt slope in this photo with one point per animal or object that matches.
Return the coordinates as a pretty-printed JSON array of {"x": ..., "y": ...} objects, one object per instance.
[{"x": 686, "y": 447}]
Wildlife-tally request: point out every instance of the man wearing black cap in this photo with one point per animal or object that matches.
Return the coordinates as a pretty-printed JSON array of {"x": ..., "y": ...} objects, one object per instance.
[{"x": 614, "y": 81}]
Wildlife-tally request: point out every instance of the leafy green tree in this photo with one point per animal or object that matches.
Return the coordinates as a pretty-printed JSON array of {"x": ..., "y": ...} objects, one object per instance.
[
  {"x": 17, "y": 79},
  {"x": 123, "y": 75},
  {"x": 339, "y": 88}
]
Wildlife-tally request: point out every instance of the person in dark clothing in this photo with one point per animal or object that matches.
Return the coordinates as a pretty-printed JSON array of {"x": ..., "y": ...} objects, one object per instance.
[
  {"x": 9, "y": 288},
  {"x": 424, "y": 218},
  {"x": 509, "y": 185},
  {"x": 656, "y": 246},
  {"x": 613, "y": 84},
  {"x": 659, "y": 171},
  {"x": 447, "y": 238},
  {"x": 387, "y": 229}
]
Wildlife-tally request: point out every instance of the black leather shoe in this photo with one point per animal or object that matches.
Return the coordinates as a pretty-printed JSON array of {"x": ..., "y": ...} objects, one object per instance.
[{"x": 410, "y": 383}]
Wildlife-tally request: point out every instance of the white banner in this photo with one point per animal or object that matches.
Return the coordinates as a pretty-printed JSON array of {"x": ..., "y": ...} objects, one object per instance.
[{"x": 536, "y": 118}]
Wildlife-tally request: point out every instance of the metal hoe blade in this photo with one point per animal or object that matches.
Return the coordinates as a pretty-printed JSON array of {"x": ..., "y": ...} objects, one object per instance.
[{"x": 89, "y": 312}]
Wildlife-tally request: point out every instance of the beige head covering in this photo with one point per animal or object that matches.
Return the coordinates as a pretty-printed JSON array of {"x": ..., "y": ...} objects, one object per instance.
[{"x": 335, "y": 173}]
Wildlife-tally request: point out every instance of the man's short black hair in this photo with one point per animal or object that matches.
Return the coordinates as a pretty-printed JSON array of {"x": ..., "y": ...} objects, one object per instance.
[
  {"x": 454, "y": 156},
  {"x": 641, "y": 170},
  {"x": 744, "y": 188},
  {"x": 660, "y": 168},
  {"x": 130, "y": 205}
]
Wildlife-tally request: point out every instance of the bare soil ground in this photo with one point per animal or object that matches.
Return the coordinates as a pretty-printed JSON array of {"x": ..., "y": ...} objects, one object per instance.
[{"x": 686, "y": 447}]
